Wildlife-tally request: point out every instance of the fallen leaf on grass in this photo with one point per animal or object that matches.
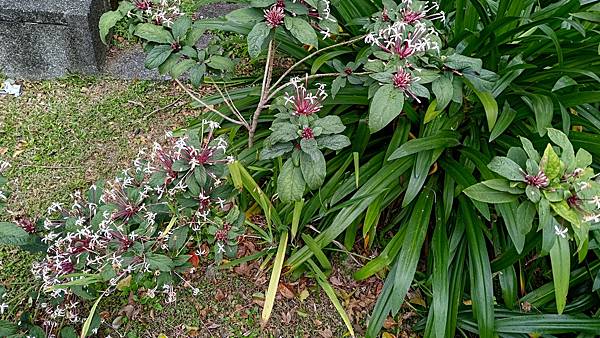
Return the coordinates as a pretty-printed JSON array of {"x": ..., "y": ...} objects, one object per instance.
[
  {"x": 285, "y": 291},
  {"x": 220, "y": 295}
]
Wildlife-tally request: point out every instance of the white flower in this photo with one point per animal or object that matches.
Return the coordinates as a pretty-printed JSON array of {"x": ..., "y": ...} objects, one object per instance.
[
  {"x": 592, "y": 218},
  {"x": 3, "y": 307},
  {"x": 596, "y": 200},
  {"x": 559, "y": 231},
  {"x": 326, "y": 33}
]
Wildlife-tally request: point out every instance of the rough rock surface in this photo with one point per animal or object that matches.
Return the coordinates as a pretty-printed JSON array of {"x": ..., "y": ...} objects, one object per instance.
[{"x": 50, "y": 38}]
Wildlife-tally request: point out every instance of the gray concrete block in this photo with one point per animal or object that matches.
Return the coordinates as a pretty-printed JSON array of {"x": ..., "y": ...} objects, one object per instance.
[{"x": 50, "y": 38}]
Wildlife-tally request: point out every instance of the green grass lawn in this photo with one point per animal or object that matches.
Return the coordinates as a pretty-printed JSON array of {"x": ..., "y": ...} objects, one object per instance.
[{"x": 62, "y": 135}]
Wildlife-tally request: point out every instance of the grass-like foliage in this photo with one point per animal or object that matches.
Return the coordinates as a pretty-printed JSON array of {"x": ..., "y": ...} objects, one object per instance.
[{"x": 461, "y": 137}]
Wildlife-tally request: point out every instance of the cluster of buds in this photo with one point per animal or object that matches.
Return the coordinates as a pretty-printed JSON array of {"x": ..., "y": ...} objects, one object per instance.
[
  {"x": 411, "y": 32},
  {"x": 302, "y": 101},
  {"x": 158, "y": 12},
  {"x": 539, "y": 180},
  {"x": 274, "y": 15}
]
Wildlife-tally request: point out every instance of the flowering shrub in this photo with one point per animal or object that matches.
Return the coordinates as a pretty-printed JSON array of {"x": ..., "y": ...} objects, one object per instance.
[
  {"x": 141, "y": 229},
  {"x": 299, "y": 130},
  {"x": 562, "y": 190}
]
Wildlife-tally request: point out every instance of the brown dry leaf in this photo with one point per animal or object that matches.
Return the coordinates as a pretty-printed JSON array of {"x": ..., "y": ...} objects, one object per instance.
[
  {"x": 389, "y": 323},
  {"x": 416, "y": 298},
  {"x": 242, "y": 269},
  {"x": 3, "y": 150},
  {"x": 326, "y": 333},
  {"x": 220, "y": 295},
  {"x": 285, "y": 291},
  {"x": 335, "y": 281},
  {"x": 286, "y": 318}
]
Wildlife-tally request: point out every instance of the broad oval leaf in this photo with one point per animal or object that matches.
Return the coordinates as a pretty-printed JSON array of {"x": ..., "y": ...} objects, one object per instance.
[
  {"x": 301, "y": 30},
  {"x": 385, "y": 107},
  {"x": 481, "y": 192},
  {"x": 256, "y": 39},
  {"x": 153, "y": 33}
]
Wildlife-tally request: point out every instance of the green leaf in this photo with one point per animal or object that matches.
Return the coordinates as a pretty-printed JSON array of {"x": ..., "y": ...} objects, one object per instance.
[
  {"x": 298, "y": 206},
  {"x": 256, "y": 38},
  {"x": 504, "y": 121},
  {"x": 564, "y": 82},
  {"x": 337, "y": 84},
  {"x": 401, "y": 276},
  {"x": 525, "y": 215},
  {"x": 333, "y": 142},
  {"x": 159, "y": 262},
  {"x": 441, "y": 139},
  {"x": 7, "y": 328},
  {"x": 331, "y": 124},
  {"x": 512, "y": 224},
  {"x": 481, "y": 192},
  {"x": 501, "y": 184},
  {"x": 530, "y": 150},
  {"x": 568, "y": 153},
  {"x": 543, "y": 108},
  {"x": 480, "y": 272},
  {"x": 182, "y": 67},
  {"x": 12, "y": 234},
  {"x": 245, "y": 15},
  {"x": 153, "y": 33},
  {"x": 443, "y": 90},
  {"x": 460, "y": 62},
  {"x": 276, "y": 150},
  {"x": 194, "y": 35},
  {"x": 440, "y": 276},
  {"x": 197, "y": 74},
  {"x": 178, "y": 239},
  {"x": 88, "y": 322},
  {"x": 313, "y": 169},
  {"x": 301, "y": 30},
  {"x": 506, "y": 168},
  {"x": 157, "y": 56},
  {"x": 181, "y": 26},
  {"x": 319, "y": 255},
  {"x": 68, "y": 332},
  {"x": 220, "y": 63},
  {"x": 386, "y": 106},
  {"x": 563, "y": 210},
  {"x": 489, "y": 105},
  {"x": 107, "y": 21},
  {"x": 550, "y": 163},
  {"x": 290, "y": 183},
  {"x": 330, "y": 292},
  {"x": 372, "y": 215},
  {"x": 561, "y": 270}
]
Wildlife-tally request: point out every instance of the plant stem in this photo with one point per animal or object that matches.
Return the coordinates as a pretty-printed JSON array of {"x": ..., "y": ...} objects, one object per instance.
[
  {"x": 263, "y": 94},
  {"x": 197, "y": 99},
  {"x": 312, "y": 55}
]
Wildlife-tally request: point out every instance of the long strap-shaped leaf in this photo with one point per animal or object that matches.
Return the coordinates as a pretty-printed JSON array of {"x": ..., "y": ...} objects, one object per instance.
[
  {"x": 482, "y": 295},
  {"x": 399, "y": 280},
  {"x": 440, "y": 283},
  {"x": 274, "y": 282},
  {"x": 322, "y": 280},
  {"x": 379, "y": 182}
]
